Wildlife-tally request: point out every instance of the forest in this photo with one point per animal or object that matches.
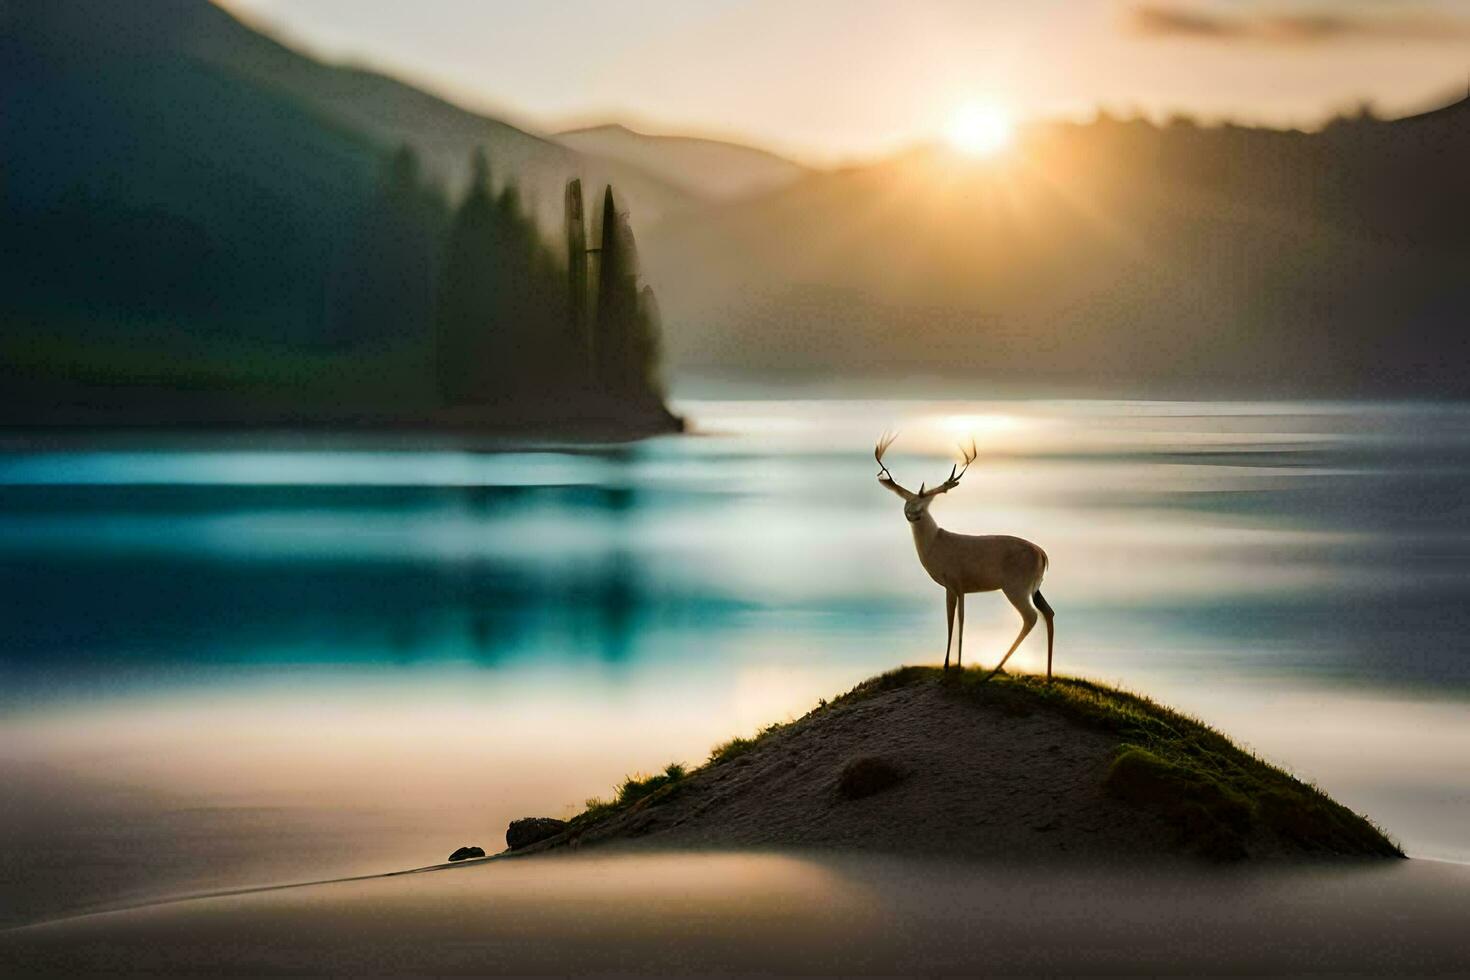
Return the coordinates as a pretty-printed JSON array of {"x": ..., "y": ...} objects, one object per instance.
[
  {"x": 509, "y": 321},
  {"x": 186, "y": 244}
]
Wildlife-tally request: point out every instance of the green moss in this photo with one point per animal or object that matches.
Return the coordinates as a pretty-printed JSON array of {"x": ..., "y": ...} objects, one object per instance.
[
  {"x": 1211, "y": 817},
  {"x": 736, "y": 747},
  {"x": 732, "y": 749},
  {"x": 633, "y": 790},
  {"x": 640, "y": 790},
  {"x": 1214, "y": 793}
]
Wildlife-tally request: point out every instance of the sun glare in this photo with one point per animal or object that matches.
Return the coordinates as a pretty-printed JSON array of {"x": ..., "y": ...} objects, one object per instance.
[{"x": 980, "y": 129}]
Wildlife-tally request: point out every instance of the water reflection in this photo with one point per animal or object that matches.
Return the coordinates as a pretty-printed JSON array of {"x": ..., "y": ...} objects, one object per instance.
[
  {"x": 573, "y": 614},
  {"x": 1336, "y": 535}
]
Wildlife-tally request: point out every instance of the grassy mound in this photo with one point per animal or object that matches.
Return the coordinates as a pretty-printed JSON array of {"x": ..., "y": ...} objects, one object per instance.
[
  {"x": 1222, "y": 802},
  {"x": 633, "y": 789}
]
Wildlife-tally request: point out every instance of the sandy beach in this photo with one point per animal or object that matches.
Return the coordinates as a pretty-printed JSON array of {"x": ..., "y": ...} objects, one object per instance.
[
  {"x": 786, "y": 913},
  {"x": 1000, "y": 845}
]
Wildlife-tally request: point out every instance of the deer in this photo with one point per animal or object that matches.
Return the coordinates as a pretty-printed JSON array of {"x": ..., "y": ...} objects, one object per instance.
[{"x": 966, "y": 563}]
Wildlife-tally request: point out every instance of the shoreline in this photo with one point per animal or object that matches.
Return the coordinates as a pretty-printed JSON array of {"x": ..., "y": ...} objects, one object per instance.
[
  {"x": 1304, "y": 865},
  {"x": 774, "y": 911},
  {"x": 488, "y": 437},
  {"x": 989, "y": 892}
]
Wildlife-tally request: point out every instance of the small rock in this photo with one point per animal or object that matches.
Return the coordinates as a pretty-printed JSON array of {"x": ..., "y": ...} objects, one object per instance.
[
  {"x": 868, "y": 775},
  {"x": 531, "y": 830},
  {"x": 467, "y": 852}
]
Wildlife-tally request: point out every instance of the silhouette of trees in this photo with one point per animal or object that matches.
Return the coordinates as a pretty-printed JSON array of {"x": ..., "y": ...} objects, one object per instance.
[
  {"x": 579, "y": 327},
  {"x": 626, "y": 342},
  {"x": 512, "y": 324},
  {"x": 469, "y": 362},
  {"x": 183, "y": 244},
  {"x": 383, "y": 288}
]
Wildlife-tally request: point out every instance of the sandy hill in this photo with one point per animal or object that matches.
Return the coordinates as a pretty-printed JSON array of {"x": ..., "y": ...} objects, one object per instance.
[{"x": 919, "y": 761}]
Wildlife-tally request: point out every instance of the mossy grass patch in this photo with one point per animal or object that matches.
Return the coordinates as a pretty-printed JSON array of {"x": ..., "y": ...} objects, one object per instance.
[
  {"x": 1214, "y": 793},
  {"x": 632, "y": 791}
]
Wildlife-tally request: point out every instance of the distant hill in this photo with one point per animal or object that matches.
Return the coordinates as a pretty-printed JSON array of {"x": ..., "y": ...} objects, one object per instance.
[
  {"x": 445, "y": 135},
  {"x": 710, "y": 168},
  {"x": 375, "y": 105},
  {"x": 1117, "y": 255},
  {"x": 145, "y": 184}
]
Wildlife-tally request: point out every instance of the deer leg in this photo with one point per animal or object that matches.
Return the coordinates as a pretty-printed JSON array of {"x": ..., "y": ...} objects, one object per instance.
[
  {"x": 949, "y": 624},
  {"x": 1049, "y": 614},
  {"x": 1022, "y": 602},
  {"x": 959, "y": 660}
]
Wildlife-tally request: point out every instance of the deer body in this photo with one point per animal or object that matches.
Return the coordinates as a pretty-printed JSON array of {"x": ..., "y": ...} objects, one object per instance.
[{"x": 966, "y": 563}]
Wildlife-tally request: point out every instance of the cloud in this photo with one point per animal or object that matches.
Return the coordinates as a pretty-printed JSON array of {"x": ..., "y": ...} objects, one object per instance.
[{"x": 1286, "y": 25}]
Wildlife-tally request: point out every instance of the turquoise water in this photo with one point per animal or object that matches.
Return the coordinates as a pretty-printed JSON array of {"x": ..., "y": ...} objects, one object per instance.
[{"x": 371, "y": 654}]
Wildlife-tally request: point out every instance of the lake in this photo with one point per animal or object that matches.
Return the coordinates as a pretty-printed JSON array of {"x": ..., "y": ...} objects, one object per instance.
[{"x": 245, "y": 662}]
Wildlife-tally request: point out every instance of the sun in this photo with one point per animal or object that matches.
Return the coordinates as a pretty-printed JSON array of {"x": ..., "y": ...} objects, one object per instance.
[{"x": 980, "y": 129}]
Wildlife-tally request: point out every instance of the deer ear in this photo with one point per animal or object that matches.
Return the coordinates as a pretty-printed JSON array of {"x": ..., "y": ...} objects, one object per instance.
[{"x": 921, "y": 489}]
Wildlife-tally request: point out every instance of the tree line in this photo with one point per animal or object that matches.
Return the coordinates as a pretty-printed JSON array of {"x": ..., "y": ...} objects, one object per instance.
[{"x": 510, "y": 320}]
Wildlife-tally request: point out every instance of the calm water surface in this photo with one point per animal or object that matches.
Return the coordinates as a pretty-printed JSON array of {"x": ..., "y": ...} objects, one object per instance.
[{"x": 243, "y": 664}]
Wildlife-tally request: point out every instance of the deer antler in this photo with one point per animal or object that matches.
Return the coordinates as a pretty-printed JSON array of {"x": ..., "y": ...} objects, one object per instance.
[
  {"x": 885, "y": 477},
  {"x": 956, "y": 472},
  {"x": 884, "y": 441}
]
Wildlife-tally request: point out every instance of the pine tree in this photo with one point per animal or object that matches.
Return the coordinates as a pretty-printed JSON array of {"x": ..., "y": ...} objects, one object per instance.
[
  {"x": 648, "y": 343},
  {"x": 468, "y": 362},
  {"x": 626, "y": 336},
  {"x": 512, "y": 322},
  {"x": 532, "y": 315},
  {"x": 578, "y": 327},
  {"x": 382, "y": 287},
  {"x": 617, "y": 291}
]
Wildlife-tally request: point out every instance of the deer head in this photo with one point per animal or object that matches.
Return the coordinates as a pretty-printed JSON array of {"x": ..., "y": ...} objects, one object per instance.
[{"x": 915, "y": 504}]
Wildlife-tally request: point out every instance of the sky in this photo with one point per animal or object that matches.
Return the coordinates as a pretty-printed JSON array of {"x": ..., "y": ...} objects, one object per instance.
[{"x": 833, "y": 80}]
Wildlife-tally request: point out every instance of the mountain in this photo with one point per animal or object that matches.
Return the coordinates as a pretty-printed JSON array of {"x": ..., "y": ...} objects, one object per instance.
[
  {"x": 712, "y": 169},
  {"x": 189, "y": 205},
  {"x": 1112, "y": 256},
  {"x": 141, "y": 182},
  {"x": 444, "y": 135},
  {"x": 382, "y": 108},
  {"x": 199, "y": 222}
]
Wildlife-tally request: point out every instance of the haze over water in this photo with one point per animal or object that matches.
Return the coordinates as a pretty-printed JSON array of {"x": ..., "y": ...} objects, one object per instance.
[{"x": 232, "y": 665}]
